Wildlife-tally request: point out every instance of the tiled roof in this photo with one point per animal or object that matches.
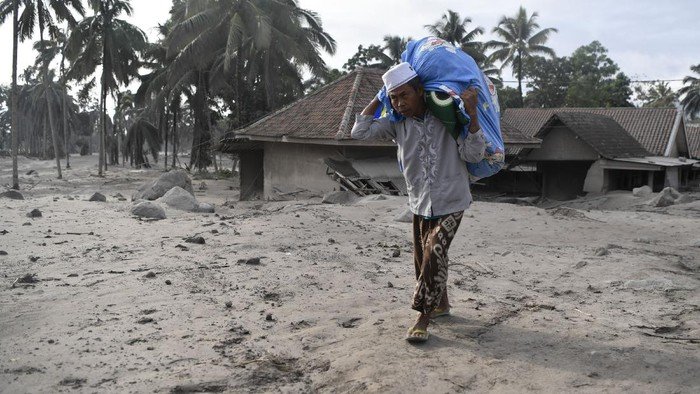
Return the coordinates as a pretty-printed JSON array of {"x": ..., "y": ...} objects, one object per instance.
[
  {"x": 329, "y": 113},
  {"x": 325, "y": 114},
  {"x": 512, "y": 136},
  {"x": 692, "y": 131},
  {"x": 652, "y": 127},
  {"x": 602, "y": 133}
]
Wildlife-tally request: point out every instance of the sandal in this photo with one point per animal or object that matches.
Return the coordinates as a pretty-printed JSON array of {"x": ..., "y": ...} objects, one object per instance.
[
  {"x": 417, "y": 335},
  {"x": 438, "y": 312}
]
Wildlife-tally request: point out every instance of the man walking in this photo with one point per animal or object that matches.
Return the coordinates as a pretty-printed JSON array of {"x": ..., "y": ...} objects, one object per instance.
[{"x": 433, "y": 164}]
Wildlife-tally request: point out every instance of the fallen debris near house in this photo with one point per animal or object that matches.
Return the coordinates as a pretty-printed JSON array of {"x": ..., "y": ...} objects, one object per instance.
[
  {"x": 643, "y": 191},
  {"x": 28, "y": 279},
  {"x": 666, "y": 197},
  {"x": 343, "y": 172}
]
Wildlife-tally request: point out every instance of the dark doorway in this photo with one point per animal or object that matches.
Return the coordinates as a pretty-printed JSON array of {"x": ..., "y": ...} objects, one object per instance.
[
  {"x": 563, "y": 180},
  {"x": 252, "y": 175},
  {"x": 628, "y": 179}
]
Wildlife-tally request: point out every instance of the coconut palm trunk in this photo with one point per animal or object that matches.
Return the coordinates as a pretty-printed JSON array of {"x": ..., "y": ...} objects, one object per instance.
[
  {"x": 520, "y": 79},
  {"x": 14, "y": 113},
  {"x": 45, "y": 142},
  {"x": 165, "y": 136},
  {"x": 64, "y": 107},
  {"x": 102, "y": 123},
  {"x": 54, "y": 134},
  {"x": 66, "y": 134},
  {"x": 201, "y": 141},
  {"x": 175, "y": 137}
]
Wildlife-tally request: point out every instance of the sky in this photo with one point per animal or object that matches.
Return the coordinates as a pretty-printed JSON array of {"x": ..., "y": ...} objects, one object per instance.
[{"x": 648, "y": 39}]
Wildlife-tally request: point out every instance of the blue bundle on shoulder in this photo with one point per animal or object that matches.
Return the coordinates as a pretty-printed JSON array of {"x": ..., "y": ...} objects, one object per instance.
[{"x": 444, "y": 68}]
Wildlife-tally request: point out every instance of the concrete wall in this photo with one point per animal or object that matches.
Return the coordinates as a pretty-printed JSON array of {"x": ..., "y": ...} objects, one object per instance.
[
  {"x": 672, "y": 178},
  {"x": 290, "y": 167},
  {"x": 562, "y": 144},
  {"x": 596, "y": 179}
]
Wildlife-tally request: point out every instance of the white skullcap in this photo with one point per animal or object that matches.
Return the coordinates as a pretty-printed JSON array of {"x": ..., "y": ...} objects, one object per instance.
[{"x": 398, "y": 75}]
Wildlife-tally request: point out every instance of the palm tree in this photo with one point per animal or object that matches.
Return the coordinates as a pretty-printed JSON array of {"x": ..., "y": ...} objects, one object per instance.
[
  {"x": 155, "y": 90},
  {"x": 112, "y": 43},
  {"x": 691, "y": 94},
  {"x": 659, "y": 95},
  {"x": 452, "y": 28},
  {"x": 47, "y": 98},
  {"x": 395, "y": 45},
  {"x": 34, "y": 12},
  {"x": 262, "y": 45},
  {"x": 142, "y": 132},
  {"x": 521, "y": 39},
  {"x": 123, "y": 111}
]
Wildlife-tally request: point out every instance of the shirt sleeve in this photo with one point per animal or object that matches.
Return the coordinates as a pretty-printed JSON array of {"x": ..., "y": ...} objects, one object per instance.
[
  {"x": 368, "y": 128},
  {"x": 472, "y": 147}
]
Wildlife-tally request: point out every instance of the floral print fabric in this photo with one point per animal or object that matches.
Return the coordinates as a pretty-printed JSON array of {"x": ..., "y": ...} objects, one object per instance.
[{"x": 431, "y": 241}]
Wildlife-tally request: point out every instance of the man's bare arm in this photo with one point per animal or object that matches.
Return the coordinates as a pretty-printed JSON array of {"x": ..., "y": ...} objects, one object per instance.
[
  {"x": 368, "y": 128},
  {"x": 371, "y": 108}
]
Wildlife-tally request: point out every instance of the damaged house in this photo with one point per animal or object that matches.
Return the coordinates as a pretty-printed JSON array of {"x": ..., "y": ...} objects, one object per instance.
[
  {"x": 306, "y": 146},
  {"x": 595, "y": 150}
]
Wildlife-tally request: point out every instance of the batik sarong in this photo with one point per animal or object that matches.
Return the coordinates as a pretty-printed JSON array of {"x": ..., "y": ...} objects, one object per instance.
[{"x": 431, "y": 240}]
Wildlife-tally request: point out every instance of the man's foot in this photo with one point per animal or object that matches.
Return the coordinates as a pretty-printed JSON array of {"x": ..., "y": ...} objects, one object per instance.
[
  {"x": 419, "y": 332},
  {"x": 439, "y": 311},
  {"x": 443, "y": 309}
]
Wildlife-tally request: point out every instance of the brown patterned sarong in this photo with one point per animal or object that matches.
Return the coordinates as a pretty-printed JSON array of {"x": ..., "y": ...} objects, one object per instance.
[{"x": 431, "y": 240}]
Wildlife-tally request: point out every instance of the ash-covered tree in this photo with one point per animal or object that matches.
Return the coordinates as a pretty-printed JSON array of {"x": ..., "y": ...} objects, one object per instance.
[
  {"x": 548, "y": 82},
  {"x": 372, "y": 56},
  {"x": 509, "y": 97},
  {"x": 657, "y": 95},
  {"x": 104, "y": 39},
  {"x": 27, "y": 15},
  {"x": 520, "y": 37},
  {"x": 596, "y": 80},
  {"x": 5, "y": 140},
  {"x": 691, "y": 94},
  {"x": 253, "y": 51}
]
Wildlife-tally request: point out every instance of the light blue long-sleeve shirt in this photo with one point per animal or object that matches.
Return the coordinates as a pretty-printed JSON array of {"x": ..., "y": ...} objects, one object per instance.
[{"x": 432, "y": 162}]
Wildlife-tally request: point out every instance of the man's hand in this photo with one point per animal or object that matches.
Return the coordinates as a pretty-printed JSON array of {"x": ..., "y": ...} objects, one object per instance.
[{"x": 470, "y": 99}]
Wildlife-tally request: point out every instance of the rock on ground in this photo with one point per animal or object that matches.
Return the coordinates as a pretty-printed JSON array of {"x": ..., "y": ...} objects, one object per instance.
[
  {"x": 340, "y": 197},
  {"x": 642, "y": 191},
  {"x": 157, "y": 188},
  {"x": 35, "y": 213},
  {"x": 373, "y": 197},
  {"x": 148, "y": 209},
  {"x": 98, "y": 197},
  {"x": 12, "y": 194},
  {"x": 205, "y": 208},
  {"x": 666, "y": 197},
  {"x": 406, "y": 216},
  {"x": 179, "y": 198}
]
